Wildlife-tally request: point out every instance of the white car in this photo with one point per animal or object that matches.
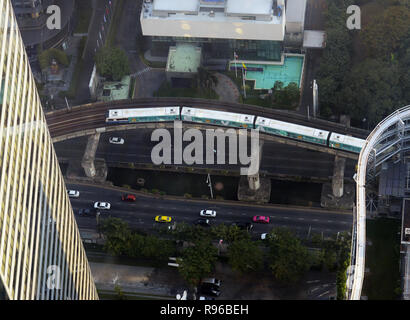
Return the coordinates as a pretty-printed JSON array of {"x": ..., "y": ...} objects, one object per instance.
[
  {"x": 73, "y": 193},
  {"x": 208, "y": 213},
  {"x": 264, "y": 236},
  {"x": 102, "y": 205},
  {"x": 116, "y": 140}
]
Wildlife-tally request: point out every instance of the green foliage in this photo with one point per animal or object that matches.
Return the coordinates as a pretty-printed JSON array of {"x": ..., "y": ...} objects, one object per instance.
[
  {"x": 288, "y": 258},
  {"x": 384, "y": 34},
  {"x": 205, "y": 79},
  {"x": 112, "y": 63},
  {"x": 286, "y": 97},
  {"x": 366, "y": 81},
  {"x": 197, "y": 261},
  {"x": 120, "y": 240},
  {"x": 117, "y": 235},
  {"x": 245, "y": 255},
  {"x": 47, "y": 56},
  {"x": 371, "y": 90},
  {"x": 229, "y": 233}
]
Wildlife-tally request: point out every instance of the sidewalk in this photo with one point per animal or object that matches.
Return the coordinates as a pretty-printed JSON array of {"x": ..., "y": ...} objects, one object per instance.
[
  {"x": 132, "y": 279},
  {"x": 226, "y": 89}
]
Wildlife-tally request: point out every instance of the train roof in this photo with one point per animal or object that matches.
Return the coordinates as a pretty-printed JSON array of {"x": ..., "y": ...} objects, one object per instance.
[
  {"x": 141, "y": 112},
  {"x": 286, "y": 126},
  {"x": 204, "y": 113},
  {"x": 341, "y": 138}
]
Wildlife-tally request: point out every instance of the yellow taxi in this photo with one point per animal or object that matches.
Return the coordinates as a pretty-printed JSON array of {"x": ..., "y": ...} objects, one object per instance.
[{"x": 163, "y": 219}]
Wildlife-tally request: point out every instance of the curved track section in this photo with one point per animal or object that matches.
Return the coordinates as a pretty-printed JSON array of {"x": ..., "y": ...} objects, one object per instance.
[
  {"x": 375, "y": 143},
  {"x": 92, "y": 116}
]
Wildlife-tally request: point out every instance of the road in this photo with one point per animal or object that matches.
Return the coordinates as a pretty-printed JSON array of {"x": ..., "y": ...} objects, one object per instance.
[
  {"x": 277, "y": 159},
  {"x": 141, "y": 214}
]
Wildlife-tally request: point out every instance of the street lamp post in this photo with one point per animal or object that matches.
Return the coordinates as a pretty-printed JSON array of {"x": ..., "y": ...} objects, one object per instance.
[{"x": 209, "y": 182}]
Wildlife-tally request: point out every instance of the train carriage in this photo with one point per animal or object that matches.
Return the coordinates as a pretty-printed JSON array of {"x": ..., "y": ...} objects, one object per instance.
[
  {"x": 347, "y": 143},
  {"x": 221, "y": 118},
  {"x": 294, "y": 131},
  {"x": 143, "y": 115}
]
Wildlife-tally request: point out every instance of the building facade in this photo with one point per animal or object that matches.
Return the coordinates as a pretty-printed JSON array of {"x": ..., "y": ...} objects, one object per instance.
[
  {"x": 254, "y": 30},
  {"x": 41, "y": 252}
]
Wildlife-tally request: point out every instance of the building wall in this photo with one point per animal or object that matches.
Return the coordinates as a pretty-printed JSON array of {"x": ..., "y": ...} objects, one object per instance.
[{"x": 39, "y": 237}]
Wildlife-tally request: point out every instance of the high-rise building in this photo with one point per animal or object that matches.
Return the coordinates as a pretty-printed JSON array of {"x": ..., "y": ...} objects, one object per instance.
[{"x": 41, "y": 253}]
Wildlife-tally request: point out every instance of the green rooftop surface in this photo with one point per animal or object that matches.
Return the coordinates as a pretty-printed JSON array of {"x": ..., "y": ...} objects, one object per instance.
[
  {"x": 184, "y": 58},
  {"x": 116, "y": 90}
]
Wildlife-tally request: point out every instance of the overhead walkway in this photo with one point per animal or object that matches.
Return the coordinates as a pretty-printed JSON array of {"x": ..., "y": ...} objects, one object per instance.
[{"x": 388, "y": 141}]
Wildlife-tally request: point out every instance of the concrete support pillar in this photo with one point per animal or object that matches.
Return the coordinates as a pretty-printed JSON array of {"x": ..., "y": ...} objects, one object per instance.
[
  {"x": 254, "y": 180},
  {"x": 338, "y": 176},
  {"x": 89, "y": 155}
]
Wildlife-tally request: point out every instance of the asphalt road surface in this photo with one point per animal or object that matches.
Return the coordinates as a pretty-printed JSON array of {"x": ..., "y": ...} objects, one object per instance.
[
  {"x": 277, "y": 159},
  {"x": 141, "y": 214}
]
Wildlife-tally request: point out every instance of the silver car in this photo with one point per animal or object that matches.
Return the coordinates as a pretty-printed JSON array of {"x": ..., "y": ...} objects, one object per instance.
[
  {"x": 116, "y": 140},
  {"x": 102, "y": 205},
  {"x": 208, "y": 213},
  {"x": 73, "y": 193}
]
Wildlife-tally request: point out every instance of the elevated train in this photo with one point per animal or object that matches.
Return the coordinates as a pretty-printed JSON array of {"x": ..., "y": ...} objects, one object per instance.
[{"x": 236, "y": 120}]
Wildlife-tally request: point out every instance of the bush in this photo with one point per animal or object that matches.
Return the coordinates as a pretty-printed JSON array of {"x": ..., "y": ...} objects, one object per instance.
[{"x": 188, "y": 195}]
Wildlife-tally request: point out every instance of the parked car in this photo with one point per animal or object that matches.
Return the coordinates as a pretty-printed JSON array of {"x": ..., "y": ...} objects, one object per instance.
[
  {"x": 116, "y": 140},
  {"x": 260, "y": 219},
  {"x": 205, "y": 298},
  {"x": 102, "y": 205},
  {"x": 208, "y": 213},
  {"x": 165, "y": 219},
  {"x": 202, "y": 222},
  {"x": 85, "y": 212},
  {"x": 213, "y": 281},
  {"x": 73, "y": 193},
  {"x": 128, "y": 197},
  {"x": 243, "y": 225},
  {"x": 209, "y": 290}
]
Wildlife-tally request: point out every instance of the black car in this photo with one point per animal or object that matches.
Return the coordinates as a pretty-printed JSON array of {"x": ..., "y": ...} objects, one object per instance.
[
  {"x": 86, "y": 212},
  {"x": 202, "y": 222},
  {"x": 243, "y": 225},
  {"x": 210, "y": 289}
]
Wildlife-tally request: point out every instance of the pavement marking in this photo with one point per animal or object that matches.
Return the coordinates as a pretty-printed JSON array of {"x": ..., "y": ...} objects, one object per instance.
[{"x": 323, "y": 293}]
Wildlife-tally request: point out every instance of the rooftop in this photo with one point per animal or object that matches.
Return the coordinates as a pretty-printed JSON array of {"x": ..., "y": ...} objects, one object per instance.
[
  {"x": 116, "y": 90},
  {"x": 176, "y": 6},
  {"x": 254, "y": 7}
]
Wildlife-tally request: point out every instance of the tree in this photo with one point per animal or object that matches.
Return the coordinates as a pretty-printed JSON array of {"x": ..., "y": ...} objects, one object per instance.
[
  {"x": 288, "y": 258},
  {"x": 372, "y": 90},
  {"x": 205, "y": 79},
  {"x": 245, "y": 255},
  {"x": 229, "y": 233},
  {"x": 118, "y": 236},
  {"x": 46, "y": 56},
  {"x": 385, "y": 33},
  {"x": 197, "y": 261},
  {"x": 112, "y": 63},
  {"x": 286, "y": 97}
]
